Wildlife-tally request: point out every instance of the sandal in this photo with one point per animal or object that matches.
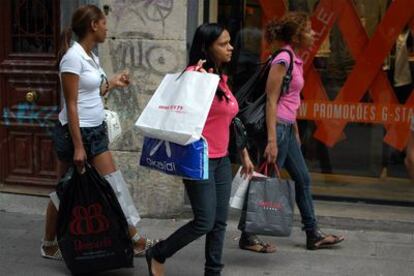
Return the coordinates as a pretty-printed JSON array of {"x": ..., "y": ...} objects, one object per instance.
[
  {"x": 255, "y": 244},
  {"x": 148, "y": 244},
  {"x": 318, "y": 240},
  {"x": 57, "y": 255}
]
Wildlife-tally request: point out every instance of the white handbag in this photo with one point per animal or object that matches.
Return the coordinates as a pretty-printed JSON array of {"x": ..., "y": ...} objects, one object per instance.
[
  {"x": 177, "y": 112},
  {"x": 113, "y": 125}
]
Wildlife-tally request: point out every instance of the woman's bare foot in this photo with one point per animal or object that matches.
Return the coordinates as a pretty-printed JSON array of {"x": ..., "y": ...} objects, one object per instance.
[
  {"x": 139, "y": 245},
  {"x": 157, "y": 268},
  {"x": 142, "y": 244}
]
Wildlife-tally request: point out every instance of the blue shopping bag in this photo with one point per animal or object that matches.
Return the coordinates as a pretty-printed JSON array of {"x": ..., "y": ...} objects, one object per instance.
[{"x": 189, "y": 161}]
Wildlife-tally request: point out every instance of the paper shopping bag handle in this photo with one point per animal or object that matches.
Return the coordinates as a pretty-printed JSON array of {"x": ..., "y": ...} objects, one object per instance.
[{"x": 264, "y": 168}]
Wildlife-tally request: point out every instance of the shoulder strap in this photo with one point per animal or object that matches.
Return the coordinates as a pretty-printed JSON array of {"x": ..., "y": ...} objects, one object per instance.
[{"x": 290, "y": 67}]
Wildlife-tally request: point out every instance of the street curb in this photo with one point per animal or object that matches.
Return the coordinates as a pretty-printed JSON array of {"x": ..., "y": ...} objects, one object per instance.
[
  {"x": 37, "y": 206},
  {"x": 344, "y": 223}
]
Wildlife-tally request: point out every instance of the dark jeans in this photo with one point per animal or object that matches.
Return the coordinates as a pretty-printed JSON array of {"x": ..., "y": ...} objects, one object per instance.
[
  {"x": 290, "y": 156},
  {"x": 210, "y": 203}
]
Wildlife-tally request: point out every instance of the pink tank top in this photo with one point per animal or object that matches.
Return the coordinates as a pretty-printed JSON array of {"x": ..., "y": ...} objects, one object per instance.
[{"x": 289, "y": 102}]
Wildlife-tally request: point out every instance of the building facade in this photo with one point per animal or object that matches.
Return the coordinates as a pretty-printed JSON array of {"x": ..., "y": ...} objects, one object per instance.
[{"x": 357, "y": 101}]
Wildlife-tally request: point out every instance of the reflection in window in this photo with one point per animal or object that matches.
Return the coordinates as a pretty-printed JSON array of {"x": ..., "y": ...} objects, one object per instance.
[
  {"x": 243, "y": 19},
  {"x": 333, "y": 63},
  {"x": 32, "y": 26}
]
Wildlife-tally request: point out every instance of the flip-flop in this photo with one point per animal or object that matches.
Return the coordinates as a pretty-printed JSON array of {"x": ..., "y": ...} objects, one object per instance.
[
  {"x": 325, "y": 241},
  {"x": 253, "y": 243}
]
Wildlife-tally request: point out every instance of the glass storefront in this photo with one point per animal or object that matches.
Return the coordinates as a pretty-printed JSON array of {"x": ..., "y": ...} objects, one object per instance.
[{"x": 357, "y": 100}]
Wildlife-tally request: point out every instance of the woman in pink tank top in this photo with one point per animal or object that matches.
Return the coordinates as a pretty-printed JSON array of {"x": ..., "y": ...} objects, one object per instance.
[{"x": 292, "y": 32}]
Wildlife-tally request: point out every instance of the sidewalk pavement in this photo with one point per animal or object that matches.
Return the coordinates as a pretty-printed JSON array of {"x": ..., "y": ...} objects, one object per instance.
[{"x": 387, "y": 250}]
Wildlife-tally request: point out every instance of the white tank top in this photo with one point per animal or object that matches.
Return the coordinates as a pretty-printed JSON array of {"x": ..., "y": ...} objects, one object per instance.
[{"x": 90, "y": 106}]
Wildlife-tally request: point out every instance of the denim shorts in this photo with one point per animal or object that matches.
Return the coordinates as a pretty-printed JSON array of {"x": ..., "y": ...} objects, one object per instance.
[{"x": 95, "y": 141}]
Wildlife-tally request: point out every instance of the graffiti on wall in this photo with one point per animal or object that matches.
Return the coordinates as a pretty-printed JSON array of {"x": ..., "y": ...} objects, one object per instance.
[
  {"x": 144, "y": 56},
  {"x": 146, "y": 10},
  {"x": 148, "y": 61},
  {"x": 143, "y": 52},
  {"x": 27, "y": 113},
  {"x": 149, "y": 42}
]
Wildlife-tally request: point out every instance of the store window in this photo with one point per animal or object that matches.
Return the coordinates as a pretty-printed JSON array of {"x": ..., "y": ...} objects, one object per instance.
[{"x": 357, "y": 100}]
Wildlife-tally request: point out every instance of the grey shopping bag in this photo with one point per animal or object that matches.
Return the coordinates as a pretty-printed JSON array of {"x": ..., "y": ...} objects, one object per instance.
[{"x": 270, "y": 205}]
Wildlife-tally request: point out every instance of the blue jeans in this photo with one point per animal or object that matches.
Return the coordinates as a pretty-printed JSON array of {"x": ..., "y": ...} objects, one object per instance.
[
  {"x": 210, "y": 203},
  {"x": 290, "y": 157}
]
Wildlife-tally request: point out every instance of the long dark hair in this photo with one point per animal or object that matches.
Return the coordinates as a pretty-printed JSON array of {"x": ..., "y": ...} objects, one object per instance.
[
  {"x": 204, "y": 37},
  {"x": 81, "y": 23}
]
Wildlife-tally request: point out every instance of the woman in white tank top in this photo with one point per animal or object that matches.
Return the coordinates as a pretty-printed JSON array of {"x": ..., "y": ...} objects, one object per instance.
[{"x": 81, "y": 133}]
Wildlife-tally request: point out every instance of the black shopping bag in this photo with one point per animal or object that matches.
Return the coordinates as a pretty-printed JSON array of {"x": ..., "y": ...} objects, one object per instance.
[
  {"x": 270, "y": 206},
  {"x": 92, "y": 230}
]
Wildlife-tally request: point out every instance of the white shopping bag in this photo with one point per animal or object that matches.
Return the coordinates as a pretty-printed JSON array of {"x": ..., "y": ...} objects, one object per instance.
[
  {"x": 120, "y": 187},
  {"x": 179, "y": 107},
  {"x": 239, "y": 189}
]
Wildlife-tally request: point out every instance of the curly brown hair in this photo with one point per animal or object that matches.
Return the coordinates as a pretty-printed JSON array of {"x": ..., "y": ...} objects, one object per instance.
[{"x": 289, "y": 29}]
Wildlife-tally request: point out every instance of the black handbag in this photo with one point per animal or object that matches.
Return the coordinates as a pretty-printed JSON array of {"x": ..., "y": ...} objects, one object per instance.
[
  {"x": 252, "y": 97},
  {"x": 238, "y": 133}
]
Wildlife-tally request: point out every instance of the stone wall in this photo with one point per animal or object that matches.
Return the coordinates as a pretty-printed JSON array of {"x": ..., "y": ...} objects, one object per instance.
[{"x": 147, "y": 37}]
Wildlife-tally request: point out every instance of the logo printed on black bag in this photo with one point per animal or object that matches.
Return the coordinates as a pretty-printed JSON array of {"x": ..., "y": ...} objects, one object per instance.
[
  {"x": 93, "y": 245},
  {"x": 272, "y": 206},
  {"x": 161, "y": 165},
  {"x": 88, "y": 220}
]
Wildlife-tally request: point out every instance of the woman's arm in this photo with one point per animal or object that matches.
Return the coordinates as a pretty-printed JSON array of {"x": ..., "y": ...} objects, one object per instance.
[
  {"x": 70, "y": 84},
  {"x": 273, "y": 86},
  {"x": 247, "y": 164}
]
